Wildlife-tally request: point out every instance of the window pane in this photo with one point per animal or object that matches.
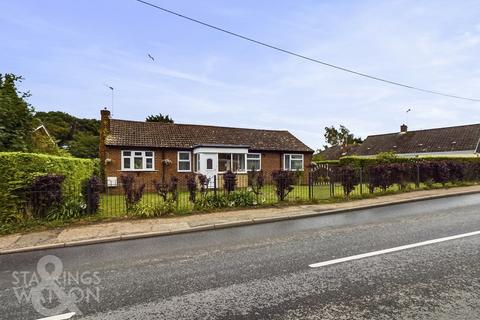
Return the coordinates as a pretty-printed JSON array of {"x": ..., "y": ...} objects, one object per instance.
[
  {"x": 127, "y": 153},
  {"x": 149, "y": 163},
  {"x": 297, "y": 165},
  {"x": 253, "y": 164},
  {"x": 148, "y": 153},
  {"x": 224, "y": 161},
  {"x": 184, "y": 165},
  {"x": 287, "y": 162},
  {"x": 138, "y": 153},
  {"x": 195, "y": 162},
  {"x": 209, "y": 164},
  {"x": 238, "y": 162},
  {"x": 126, "y": 163},
  {"x": 138, "y": 163},
  {"x": 184, "y": 155},
  {"x": 253, "y": 156}
]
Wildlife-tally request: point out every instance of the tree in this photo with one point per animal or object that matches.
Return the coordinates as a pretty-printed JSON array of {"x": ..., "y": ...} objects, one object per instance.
[
  {"x": 15, "y": 115},
  {"x": 79, "y": 136},
  {"x": 342, "y": 135},
  {"x": 159, "y": 118}
]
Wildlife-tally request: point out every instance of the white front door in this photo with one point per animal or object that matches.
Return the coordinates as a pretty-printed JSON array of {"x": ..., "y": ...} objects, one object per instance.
[{"x": 209, "y": 166}]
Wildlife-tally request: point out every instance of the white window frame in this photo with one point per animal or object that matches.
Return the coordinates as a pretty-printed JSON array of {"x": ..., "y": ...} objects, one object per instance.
[
  {"x": 231, "y": 162},
  {"x": 290, "y": 164},
  {"x": 189, "y": 161},
  {"x": 132, "y": 161},
  {"x": 259, "y": 159}
]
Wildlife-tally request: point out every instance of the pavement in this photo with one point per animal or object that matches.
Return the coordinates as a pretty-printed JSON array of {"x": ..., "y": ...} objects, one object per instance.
[
  {"x": 263, "y": 271},
  {"x": 135, "y": 229}
]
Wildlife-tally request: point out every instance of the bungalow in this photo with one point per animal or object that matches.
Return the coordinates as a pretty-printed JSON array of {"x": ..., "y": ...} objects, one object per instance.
[
  {"x": 157, "y": 151},
  {"x": 460, "y": 141}
]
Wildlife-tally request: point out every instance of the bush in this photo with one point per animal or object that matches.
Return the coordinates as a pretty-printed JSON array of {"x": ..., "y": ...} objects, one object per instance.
[
  {"x": 91, "y": 194},
  {"x": 151, "y": 210},
  {"x": 349, "y": 179},
  {"x": 18, "y": 170},
  {"x": 234, "y": 199},
  {"x": 256, "y": 181},
  {"x": 229, "y": 181},
  {"x": 284, "y": 181},
  {"x": 192, "y": 188},
  {"x": 133, "y": 194},
  {"x": 73, "y": 208},
  {"x": 44, "y": 194},
  {"x": 25, "y": 167}
]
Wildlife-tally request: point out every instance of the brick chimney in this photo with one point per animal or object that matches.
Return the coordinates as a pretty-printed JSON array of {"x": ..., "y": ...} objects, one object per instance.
[
  {"x": 104, "y": 131},
  {"x": 403, "y": 128}
]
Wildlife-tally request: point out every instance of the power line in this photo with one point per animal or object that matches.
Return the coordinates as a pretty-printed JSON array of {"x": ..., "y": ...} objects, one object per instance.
[{"x": 304, "y": 57}]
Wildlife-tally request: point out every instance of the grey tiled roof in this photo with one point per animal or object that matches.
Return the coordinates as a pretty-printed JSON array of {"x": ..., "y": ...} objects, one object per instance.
[
  {"x": 186, "y": 136},
  {"x": 459, "y": 138}
]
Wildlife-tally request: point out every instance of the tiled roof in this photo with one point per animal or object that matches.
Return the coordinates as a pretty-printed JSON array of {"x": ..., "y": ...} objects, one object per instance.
[
  {"x": 186, "y": 136},
  {"x": 336, "y": 152},
  {"x": 459, "y": 138}
]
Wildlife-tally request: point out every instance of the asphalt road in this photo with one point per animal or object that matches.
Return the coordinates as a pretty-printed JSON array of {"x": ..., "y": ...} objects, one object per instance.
[{"x": 262, "y": 271}]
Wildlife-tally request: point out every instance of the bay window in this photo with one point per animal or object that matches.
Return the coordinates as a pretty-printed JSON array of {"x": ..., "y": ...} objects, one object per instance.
[
  {"x": 133, "y": 160},
  {"x": 184, "y": 161},
  {"x": 293, "y": 162},
  {"x": 231, "y": 161}
]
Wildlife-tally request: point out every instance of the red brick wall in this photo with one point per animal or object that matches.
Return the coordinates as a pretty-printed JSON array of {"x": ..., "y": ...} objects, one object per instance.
[{"x": 271, "y": 161}]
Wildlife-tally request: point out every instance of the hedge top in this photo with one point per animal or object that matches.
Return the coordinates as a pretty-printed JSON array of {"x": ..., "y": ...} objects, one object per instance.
[
  {"x": 21, "y": 168},
  {"x": 362, "y": 161}
]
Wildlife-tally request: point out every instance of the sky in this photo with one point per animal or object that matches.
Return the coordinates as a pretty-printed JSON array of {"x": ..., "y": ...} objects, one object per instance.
[{"x": 68, "y": 51}]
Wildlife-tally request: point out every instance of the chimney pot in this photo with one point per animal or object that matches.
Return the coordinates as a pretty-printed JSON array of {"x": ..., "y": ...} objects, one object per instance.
[{"x": 403, "y": 128}]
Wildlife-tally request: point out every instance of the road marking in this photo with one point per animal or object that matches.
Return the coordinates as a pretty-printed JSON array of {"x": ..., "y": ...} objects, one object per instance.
[
  {"x": 60, "y": 316},
  {"x": 385, "y": 251}
]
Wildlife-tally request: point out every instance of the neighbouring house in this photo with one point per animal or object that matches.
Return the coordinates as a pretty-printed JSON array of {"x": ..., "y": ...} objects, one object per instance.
[
  {"x": 157, "y": 151},
  {"x": 448, "y": 141},
  {"x": 336, "y": 152}
]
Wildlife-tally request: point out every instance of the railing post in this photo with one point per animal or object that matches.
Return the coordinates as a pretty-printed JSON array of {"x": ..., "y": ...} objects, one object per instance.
[
  {"x": 310, "y": 189},
  {"x": 417, "y": 182},
  {"x": 89, "y": 197},
  {"x": 361, "y": 180},
  {"x": 215, "y": 185}
]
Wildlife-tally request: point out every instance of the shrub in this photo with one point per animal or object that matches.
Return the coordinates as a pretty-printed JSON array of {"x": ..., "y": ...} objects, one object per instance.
[
  {"x": 25, "y": 167},
  {"x": 234, "y": 199},
  {"x": 151, "y": 210},
  {"x": 71, "y": 208},
  {"x": 162, "y": 189},
  {"x": 173, "y": 188},
  {"x": 241, "y": 199},
  {"x": 204, "y": 182},
  {"x": 229, "y": 181},
  {"x": 256, "y": 181},
  {"x": 400, "y": 173},
  {"x": 133, "y": 194},
  {"x": 284, "y": 181},
  {"x": 18, "y": 170},
  {"x": 349, "y": 179},
  {"x": 44, "y": 194},
  {"x": 91, "y": 194},
  {"x": 379, "y": 176},
  {"x": 192, "y": 188},
  {"x": 211, "y": 201}
]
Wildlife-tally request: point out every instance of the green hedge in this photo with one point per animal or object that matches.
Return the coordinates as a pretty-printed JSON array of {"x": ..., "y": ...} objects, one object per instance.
[
  {"x": 363, "y": 161},
  {"x": 21, "y": 168}
]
